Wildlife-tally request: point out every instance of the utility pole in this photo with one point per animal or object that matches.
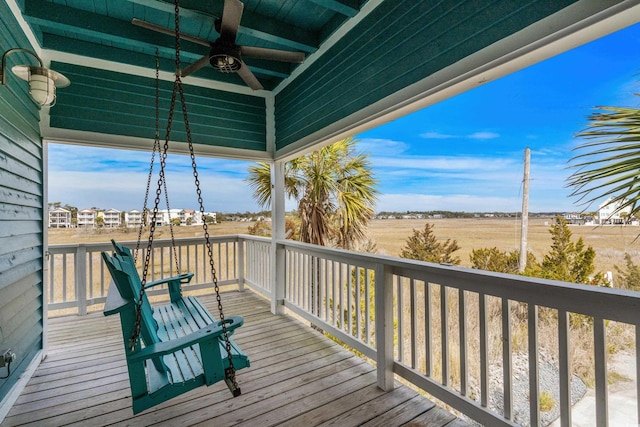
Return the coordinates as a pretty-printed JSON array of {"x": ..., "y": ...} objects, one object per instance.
[{"x": 525, "y": 212}]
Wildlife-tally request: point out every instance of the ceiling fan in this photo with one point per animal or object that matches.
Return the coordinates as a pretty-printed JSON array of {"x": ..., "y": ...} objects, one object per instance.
[{"x": 224, "y": 54}]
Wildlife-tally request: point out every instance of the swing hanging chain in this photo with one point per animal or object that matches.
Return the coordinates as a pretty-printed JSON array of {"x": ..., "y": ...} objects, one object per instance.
[
  {"x": 163, "y": 159},
  {"x": 229, "y": 372},
  {"x": 156, "y": 146}
]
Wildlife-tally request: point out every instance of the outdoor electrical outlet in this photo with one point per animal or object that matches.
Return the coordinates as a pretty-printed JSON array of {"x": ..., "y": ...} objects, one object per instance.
[{"x": 6, "y": 357}]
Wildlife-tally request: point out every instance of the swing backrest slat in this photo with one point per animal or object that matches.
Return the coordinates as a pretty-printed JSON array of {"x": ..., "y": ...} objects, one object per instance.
[{"x": 128, "y": 285}]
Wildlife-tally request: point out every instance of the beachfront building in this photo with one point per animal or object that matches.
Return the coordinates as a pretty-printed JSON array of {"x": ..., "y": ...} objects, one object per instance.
[
  {"x": 133, "y": 218},
  {"x": 87, "y": 218},
  {"x": 164, "y": 216},
  {"x": 59, "y": 218},
  {"x": 112, "y": 218},
  {"x": 610, "y": 213},
  {"x": 192, "y": 217}
]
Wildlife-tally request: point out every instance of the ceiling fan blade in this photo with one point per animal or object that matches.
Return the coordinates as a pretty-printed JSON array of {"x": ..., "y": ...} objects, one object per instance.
[
  {"x": 245, "y": 73},
  {"x": 272, "y": 54},
  {"x": 168, "y": 31},
  {"x": 231, "y": 16},
  {"x": 192, "y": 68}
]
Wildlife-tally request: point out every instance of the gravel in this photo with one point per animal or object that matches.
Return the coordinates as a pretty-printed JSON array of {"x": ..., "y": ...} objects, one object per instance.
[{"x": 549, "y": 382}]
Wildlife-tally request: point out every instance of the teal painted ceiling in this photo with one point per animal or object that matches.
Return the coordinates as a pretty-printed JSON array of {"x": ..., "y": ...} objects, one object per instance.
[{"x": 364, "y": 60}]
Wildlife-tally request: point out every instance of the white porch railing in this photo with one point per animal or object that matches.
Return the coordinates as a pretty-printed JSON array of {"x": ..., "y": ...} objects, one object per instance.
[{"x": 441, "y": 328}]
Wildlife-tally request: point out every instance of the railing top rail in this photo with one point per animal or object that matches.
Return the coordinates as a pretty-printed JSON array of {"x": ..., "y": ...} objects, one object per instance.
[{"x": 157, "y": 242}]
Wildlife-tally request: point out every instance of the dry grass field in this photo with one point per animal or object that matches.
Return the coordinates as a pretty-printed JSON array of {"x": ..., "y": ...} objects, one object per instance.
[{"x": 609, "y": 242}]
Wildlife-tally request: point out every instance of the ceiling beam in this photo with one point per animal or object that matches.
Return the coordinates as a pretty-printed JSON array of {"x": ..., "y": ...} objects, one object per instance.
[
  {"x": 57, "y": 18},
  {"x": 344, "y": 7},
  {"x": 259, "y": 26}
]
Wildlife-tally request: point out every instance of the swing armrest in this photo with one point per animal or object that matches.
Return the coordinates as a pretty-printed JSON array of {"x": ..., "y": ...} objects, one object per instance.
[
  {"x": 208, "y": 333},
  {"x": 174, "y": 284},
  {"x": 180, "y": 279}
]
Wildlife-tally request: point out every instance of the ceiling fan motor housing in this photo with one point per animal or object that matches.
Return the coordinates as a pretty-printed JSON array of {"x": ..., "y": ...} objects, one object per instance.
[{"x": 225, "y": 56}]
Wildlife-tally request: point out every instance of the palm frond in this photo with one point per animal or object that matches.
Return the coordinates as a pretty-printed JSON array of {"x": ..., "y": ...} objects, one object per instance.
[{"x": 610, "y": 167}]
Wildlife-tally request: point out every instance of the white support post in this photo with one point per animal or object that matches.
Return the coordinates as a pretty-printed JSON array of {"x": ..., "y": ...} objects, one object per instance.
[
  {"x": 277, "y": 258},
  {"x": 384, "y": 326},
  {"x": 240, "y": 260},
  {"x": 81, "y": 279}
]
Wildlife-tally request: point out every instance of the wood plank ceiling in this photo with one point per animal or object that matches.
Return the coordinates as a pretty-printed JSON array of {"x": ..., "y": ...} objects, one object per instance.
[{"x": 366, "y": 62}]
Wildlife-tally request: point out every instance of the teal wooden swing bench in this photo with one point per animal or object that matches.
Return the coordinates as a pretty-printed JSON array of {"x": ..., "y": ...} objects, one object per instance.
[{"x": 180, "y": 345}]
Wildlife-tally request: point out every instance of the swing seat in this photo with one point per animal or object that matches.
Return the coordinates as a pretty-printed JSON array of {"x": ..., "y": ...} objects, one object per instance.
[{"x": 181, "y": 346}]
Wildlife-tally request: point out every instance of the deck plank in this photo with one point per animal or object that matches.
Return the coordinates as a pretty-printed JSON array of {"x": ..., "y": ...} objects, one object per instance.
[{"x": 297, "y": 377}]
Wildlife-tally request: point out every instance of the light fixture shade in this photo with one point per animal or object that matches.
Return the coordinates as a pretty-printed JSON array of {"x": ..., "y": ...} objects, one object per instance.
[
  {"x": 42, "y": 83},
  {"x": 42, "y": 90}
]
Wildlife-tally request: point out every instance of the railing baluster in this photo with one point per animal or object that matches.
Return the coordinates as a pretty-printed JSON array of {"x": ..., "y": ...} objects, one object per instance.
[
  {"x": 399, "y": 305},
  {"x": 484, "y": 348},
  {"x": 358, "y": 333},
  {"x": 600, "y": 355},
  {"x": 367, "y": 306},
  {"x": 64, "y": 277},
  {"x": 341, "y": 295},
  {"x": 462, "y": 322},
  {"x": 564, "y": 368},
  {"x": 507, "y": 371},
  {"x": 52, "y": 272},
  {"x": 90, "y": 280},
  {"x": 444, "y": 334},
  {"x": 349, "y": 299},
  {"x": 427, "y": 329},
  {"x": 334, "y": 283},
  {"x": 414, "y": 323},
  {"x": 534, "y": 380},
  {"x": 327, "y": 293}
]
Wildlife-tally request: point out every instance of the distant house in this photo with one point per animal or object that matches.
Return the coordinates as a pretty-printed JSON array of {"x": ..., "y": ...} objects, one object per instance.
[
  {"x": 192, "y": 217},
  {"x": 59, "y": 218},
  {"x": 111, "y": 218},
  {"x": 165, "y": 216},
  {"x": 133, "y": 218},
  {"x": 574, "y": 218},
  {"x": 87, "y": 218},
  {"x": 610, "y": 213}
]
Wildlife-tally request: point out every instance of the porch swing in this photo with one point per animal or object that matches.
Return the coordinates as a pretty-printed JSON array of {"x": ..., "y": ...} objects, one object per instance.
[{"x": 180, "y": 346}]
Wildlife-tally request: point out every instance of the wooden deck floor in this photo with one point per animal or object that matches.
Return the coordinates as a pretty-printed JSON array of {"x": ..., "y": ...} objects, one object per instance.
[{"x": 297, "y": 378}]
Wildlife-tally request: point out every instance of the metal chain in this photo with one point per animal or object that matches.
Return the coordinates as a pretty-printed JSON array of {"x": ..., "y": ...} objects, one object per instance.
[
  {"x": 163, "y": 158},
  {"x": 214, "y": 278},
  {"x": 230, "y": 372},
  {"x": 156, "y": 146}
]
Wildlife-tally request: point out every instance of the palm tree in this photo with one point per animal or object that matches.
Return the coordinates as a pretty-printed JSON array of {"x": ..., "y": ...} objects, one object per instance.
[
  {"x": 611, "y": 167},
  {"x": 335, "y": 190}
]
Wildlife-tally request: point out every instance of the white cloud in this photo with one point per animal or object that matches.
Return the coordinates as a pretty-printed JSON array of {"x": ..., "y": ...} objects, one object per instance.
[
  {"x": 382, "y": 147},
  {"x": 436, "y": 135},
  {"x": 484, "y": 135},
  {"x": 452, "y": 202},
  {"x": 480, "y": 164}
]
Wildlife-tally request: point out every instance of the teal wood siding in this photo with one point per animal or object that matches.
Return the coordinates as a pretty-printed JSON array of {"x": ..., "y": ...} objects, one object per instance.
[
  {"x": 21, "y": 216},
  {"x": 113, "y": 103},
  {"x": 372, "y": 65}
]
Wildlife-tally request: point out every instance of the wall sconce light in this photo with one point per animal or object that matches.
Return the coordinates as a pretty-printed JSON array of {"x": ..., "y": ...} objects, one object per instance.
[{"x": 42, "y": 81}]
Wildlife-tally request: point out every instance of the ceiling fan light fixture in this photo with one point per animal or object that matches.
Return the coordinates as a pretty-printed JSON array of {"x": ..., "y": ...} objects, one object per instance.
[
  {"x": 225, "y": 57},
  {"x": 225, "y": 63}
]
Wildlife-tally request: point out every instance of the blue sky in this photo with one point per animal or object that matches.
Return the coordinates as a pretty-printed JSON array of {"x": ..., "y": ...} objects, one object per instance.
[{"x": 462, "y": 154}]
